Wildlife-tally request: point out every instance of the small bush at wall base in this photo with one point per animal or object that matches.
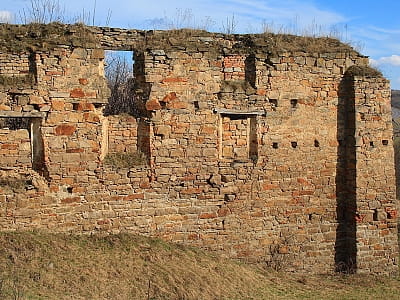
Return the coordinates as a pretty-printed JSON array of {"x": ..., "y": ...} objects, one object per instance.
[
  {"x": 14, "y": 184},
  {"x": 125, "y": 159}
]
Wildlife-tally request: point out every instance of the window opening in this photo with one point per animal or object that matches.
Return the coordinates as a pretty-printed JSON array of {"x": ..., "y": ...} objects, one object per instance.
[{"x": 119, "y": 71}]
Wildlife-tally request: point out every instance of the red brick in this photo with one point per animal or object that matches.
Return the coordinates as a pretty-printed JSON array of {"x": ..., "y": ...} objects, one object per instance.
[
  {"x": 77, "y": 93},
  {"x": 71, "y": 200},
  {"x": 153, "y": 104},
  {"x": 65, "y": 129},
  {"x": 83, "y": 81},
  {"x": 91, "y": 117},
  {"x": 208, "y": 129},
  {"x": 174, "y": 80},
  {"x": 208, "y": 215},
  {"x": 169, "y": 97},
  {"x": 85, "y": 106},
  {"x": 177, "y": 105},
  {"x": 190, "y": 191},
  {"x": 134, "y": 196},
  {"x": 223, "y": 211},
  {"x": 9, "y": 146},
  {"x": 269, "y": 186}
]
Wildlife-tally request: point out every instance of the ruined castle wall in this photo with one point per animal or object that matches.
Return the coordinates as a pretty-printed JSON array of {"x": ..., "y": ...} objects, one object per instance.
[{"x": 245, "y": 154}]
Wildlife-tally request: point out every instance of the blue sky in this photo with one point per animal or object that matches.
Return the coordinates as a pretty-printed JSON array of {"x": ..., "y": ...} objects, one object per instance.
[{"x": 373, "y": 27}]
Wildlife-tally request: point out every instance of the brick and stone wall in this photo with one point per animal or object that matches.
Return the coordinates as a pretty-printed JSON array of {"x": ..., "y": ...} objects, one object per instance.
[{"x": 279, "y": 156}]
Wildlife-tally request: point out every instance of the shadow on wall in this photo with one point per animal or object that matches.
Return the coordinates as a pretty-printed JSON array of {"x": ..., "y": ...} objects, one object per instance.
[
  {"x": 396, "y": 145},
  {"x": 346, "y": 206}
]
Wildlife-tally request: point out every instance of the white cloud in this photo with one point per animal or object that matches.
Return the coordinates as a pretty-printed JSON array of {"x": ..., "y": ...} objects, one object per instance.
[
  {"x": 393, "y": 60},
  {"x": 5, "y": 16}
]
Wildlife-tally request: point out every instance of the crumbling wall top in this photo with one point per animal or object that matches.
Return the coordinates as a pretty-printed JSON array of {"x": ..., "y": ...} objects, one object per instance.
[{"x": 14, "y": 38}]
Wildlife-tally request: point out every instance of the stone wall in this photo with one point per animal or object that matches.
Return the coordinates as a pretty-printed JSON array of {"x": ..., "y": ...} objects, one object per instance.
[
  {"x": 14, "y": 64},
  {"x": 279, "y": 156}
]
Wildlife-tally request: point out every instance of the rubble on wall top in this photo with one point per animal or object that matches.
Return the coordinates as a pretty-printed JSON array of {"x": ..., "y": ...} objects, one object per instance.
[{"x": 17, "y": 38}]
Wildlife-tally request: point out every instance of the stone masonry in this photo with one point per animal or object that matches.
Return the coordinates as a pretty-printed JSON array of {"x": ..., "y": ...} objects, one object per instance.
[{"x": 273, "y": 148}]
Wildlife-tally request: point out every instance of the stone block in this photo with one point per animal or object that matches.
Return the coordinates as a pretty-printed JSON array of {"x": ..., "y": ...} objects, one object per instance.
[{"x": 65, "y": 129}]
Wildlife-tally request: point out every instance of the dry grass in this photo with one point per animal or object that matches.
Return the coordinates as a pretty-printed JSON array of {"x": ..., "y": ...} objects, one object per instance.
[
  {"x": 125, "y": 159},
  {"x": 40, "y": 36},
  {"x": 13, "y": 184},
  {"x": 34, "y": 36},
  {"x": 62, "y": 266},
  {"x": 363, "y": 71}
]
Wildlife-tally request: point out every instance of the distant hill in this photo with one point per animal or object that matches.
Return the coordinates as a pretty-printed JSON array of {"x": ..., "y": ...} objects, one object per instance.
[{"x": 395, "y": 104}]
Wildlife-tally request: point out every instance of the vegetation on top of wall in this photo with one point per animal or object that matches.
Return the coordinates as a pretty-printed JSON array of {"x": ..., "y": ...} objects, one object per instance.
[
  {"x": 237, "y": 86},
  {"x": 47, "y": 36},
  {"x": 125, "y": 159},
  {"x": 37, "y": 36},
  {"x": 367, "y": 71}
]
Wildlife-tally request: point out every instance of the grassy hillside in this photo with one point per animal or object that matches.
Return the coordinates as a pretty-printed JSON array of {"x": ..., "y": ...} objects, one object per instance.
[{"x": 59, "y": 266}]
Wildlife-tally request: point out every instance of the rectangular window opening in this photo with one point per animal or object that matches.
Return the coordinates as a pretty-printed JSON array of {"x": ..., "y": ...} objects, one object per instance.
[{"x": 119, "y": 72}]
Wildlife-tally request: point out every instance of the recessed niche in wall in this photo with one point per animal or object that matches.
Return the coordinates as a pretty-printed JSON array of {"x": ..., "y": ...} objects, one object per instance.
[
  {"x": 375, "y": 215},
  {"x": 238, "y": 134},
  {"x": 274, "y": 103},
  {"x": 250, "y": 70},
  {"x": 293, "y": 103},
  {"x": 275, "y": 145},
  {"x": 385, "y": 142},
  {"x": 294, "y": 144},
  {"x": 24, "y": 142},
  {"x": 316, "y": 143}
]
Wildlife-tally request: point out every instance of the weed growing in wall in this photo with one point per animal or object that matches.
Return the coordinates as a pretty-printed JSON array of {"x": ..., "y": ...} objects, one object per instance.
[{"x": 125, "y": 159}]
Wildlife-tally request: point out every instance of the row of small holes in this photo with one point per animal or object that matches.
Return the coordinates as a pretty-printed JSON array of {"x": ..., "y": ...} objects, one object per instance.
[
  {"x": 294, "y": 144},
  {"x": 274, "y": 103},
  {"x": 316, "y": 144},
  {"x": 384, "y": 143}
]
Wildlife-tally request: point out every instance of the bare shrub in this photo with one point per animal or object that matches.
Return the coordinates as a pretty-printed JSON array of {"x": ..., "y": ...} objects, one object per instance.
[
  {"x": 119, "y": 73},
  {"x": 43, "y": 12},
  {"x": 230, "y": 25}
]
